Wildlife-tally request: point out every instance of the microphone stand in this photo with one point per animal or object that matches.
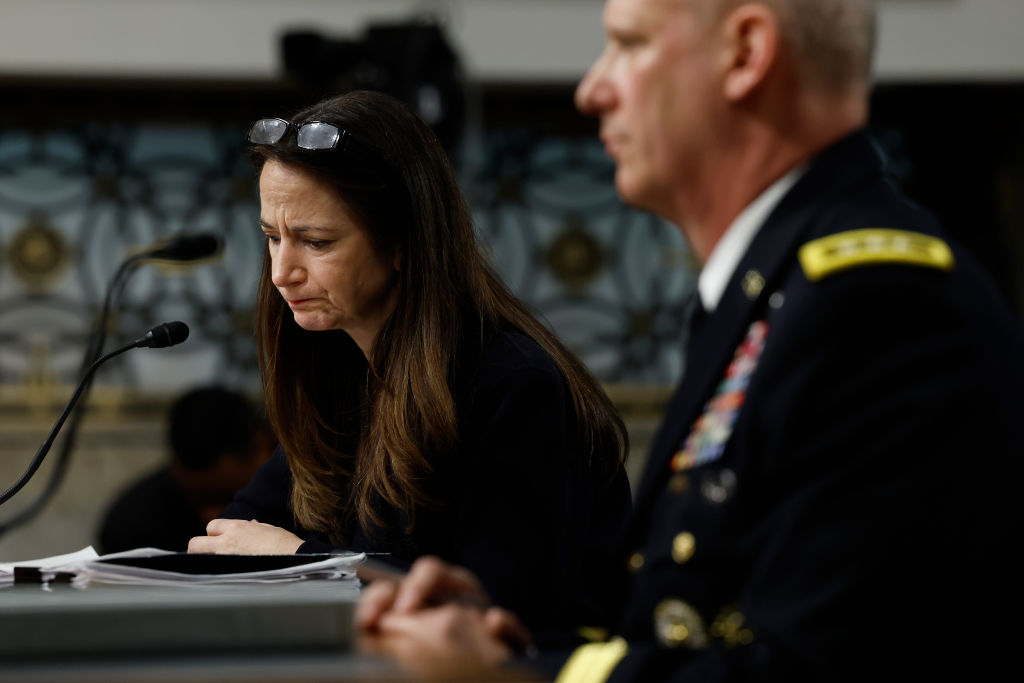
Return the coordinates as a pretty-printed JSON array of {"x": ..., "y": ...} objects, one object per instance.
[
  {"x": 44, "y": 449},
  {"x": 167, "y": 334},
  {"x": 183, "y": 248}
]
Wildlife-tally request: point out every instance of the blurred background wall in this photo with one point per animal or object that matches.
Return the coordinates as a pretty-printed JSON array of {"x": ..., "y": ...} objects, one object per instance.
[{"x": 122, "y": 124}]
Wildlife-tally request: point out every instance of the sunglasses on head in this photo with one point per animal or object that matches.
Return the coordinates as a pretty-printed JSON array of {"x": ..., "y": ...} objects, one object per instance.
[{"x": 312, "y": 135}]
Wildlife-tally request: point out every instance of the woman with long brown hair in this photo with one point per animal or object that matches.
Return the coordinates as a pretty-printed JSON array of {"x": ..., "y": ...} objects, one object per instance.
[{"x": 421, "y": 409}]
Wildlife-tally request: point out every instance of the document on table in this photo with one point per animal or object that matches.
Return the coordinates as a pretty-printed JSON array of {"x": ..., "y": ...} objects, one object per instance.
[
  {"x": 153, "y": 566},
  {"x": 7, "y": 569}
]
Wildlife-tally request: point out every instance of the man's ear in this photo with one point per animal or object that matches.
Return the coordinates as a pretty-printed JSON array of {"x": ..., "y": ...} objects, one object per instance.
[{"x": 752, "y": 35}]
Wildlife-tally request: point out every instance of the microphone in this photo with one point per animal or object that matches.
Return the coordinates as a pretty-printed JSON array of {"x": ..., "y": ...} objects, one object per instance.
[
  {"x": 161, "y": 336},
  {"x": 181, "y": 248},
  {"x": 184, "y": 248},
  {"x": 167, "y": 334}
]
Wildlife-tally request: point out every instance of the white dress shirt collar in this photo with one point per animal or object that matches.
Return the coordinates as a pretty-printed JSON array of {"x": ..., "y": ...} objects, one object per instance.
[{"x": 737, "y": 238}]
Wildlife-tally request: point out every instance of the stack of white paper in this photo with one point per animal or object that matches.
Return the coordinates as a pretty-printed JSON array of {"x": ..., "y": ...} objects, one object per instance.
[
  {"x": 7, "y": 568},
  {"x": 156, "y": 567}
]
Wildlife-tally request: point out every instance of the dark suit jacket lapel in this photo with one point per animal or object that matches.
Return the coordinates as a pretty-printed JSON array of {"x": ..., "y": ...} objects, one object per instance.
[{"x": 770, "y": 254}]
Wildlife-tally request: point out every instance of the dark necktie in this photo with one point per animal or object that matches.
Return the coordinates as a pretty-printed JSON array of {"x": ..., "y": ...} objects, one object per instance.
[{"x": 694, "y": 316}]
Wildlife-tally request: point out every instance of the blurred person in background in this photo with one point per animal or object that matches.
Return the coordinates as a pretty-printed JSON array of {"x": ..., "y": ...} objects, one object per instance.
[
  {"x": 421, "y": 408},
  {"x": 217, "y": 441}
]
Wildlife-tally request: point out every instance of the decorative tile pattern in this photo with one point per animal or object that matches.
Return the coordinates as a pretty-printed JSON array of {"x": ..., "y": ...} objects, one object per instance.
[{"x": 75, "y": 202}]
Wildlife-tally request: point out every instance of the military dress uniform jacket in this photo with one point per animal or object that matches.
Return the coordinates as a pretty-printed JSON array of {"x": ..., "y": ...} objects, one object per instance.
[{"x": 831, "y": 493}]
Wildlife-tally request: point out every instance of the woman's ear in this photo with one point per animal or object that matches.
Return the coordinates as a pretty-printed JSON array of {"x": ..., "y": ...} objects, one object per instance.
[
  {"x": 398, "y": 258},
  {"x": 752, "y": 34}
]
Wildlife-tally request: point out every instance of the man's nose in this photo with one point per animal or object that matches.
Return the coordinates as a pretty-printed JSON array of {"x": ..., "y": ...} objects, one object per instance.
[{"x": 595, "y": 94}]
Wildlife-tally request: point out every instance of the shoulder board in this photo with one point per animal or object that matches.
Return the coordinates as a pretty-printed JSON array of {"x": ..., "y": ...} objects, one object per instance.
[{"x": 869, "y": 246}]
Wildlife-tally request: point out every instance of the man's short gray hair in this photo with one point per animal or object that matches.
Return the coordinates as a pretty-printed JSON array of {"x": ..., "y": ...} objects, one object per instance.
[{"x": 833, "y": 40}]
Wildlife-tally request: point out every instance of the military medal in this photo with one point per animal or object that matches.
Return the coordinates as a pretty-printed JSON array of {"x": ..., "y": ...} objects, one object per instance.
[{"x": 706, "y": 440}]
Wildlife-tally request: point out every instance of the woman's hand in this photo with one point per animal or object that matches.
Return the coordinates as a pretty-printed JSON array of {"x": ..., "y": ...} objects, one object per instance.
[{"x": 237, "y": 536}]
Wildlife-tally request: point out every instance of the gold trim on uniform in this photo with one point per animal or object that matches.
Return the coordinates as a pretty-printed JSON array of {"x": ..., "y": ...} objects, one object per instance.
[
  {"x": 593, "y": 633},
  {"x": 683, "y": 546},
  {"x": 635, "y": 562},
  {"x": 593, "y": 662},
  {"x": 678, "y": 624},
  {"x": 728, "y": 626},
  {"x": 753, "y": 283},
  {"x": 826, "y": 255}
]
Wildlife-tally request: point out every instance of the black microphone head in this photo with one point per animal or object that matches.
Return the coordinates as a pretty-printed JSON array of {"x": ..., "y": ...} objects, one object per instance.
[
  {"x": 167, "y": 334},
  {"x": 188, "y": 248}
]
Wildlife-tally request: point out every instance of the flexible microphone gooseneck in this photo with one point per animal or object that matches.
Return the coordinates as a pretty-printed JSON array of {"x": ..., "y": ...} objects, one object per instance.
[
  {"x": 182, "y": 248},
  {"x": 167, "y": 334}
]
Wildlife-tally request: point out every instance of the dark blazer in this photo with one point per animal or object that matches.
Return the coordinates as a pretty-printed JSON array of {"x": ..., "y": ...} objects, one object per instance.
[
  {"x": 522, "y": 507},
  {"x": 849, "y": 497}
]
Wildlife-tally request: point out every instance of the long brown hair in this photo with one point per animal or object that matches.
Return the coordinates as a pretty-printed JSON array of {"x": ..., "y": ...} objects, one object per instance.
[{"x": 356, "y": 435}]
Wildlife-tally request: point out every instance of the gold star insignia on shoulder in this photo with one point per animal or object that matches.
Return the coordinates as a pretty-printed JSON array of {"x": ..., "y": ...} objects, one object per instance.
[{"x": 827, "y": 255}]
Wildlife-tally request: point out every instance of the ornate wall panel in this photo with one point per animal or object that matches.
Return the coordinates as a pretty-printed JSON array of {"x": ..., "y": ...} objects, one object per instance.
[
  {"x": 75, "y": 202},
  {"x": 610, "y": 280}
]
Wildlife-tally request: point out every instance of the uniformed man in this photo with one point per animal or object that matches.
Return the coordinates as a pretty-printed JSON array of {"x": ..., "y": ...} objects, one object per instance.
[{"x": 832, "y": 493}]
